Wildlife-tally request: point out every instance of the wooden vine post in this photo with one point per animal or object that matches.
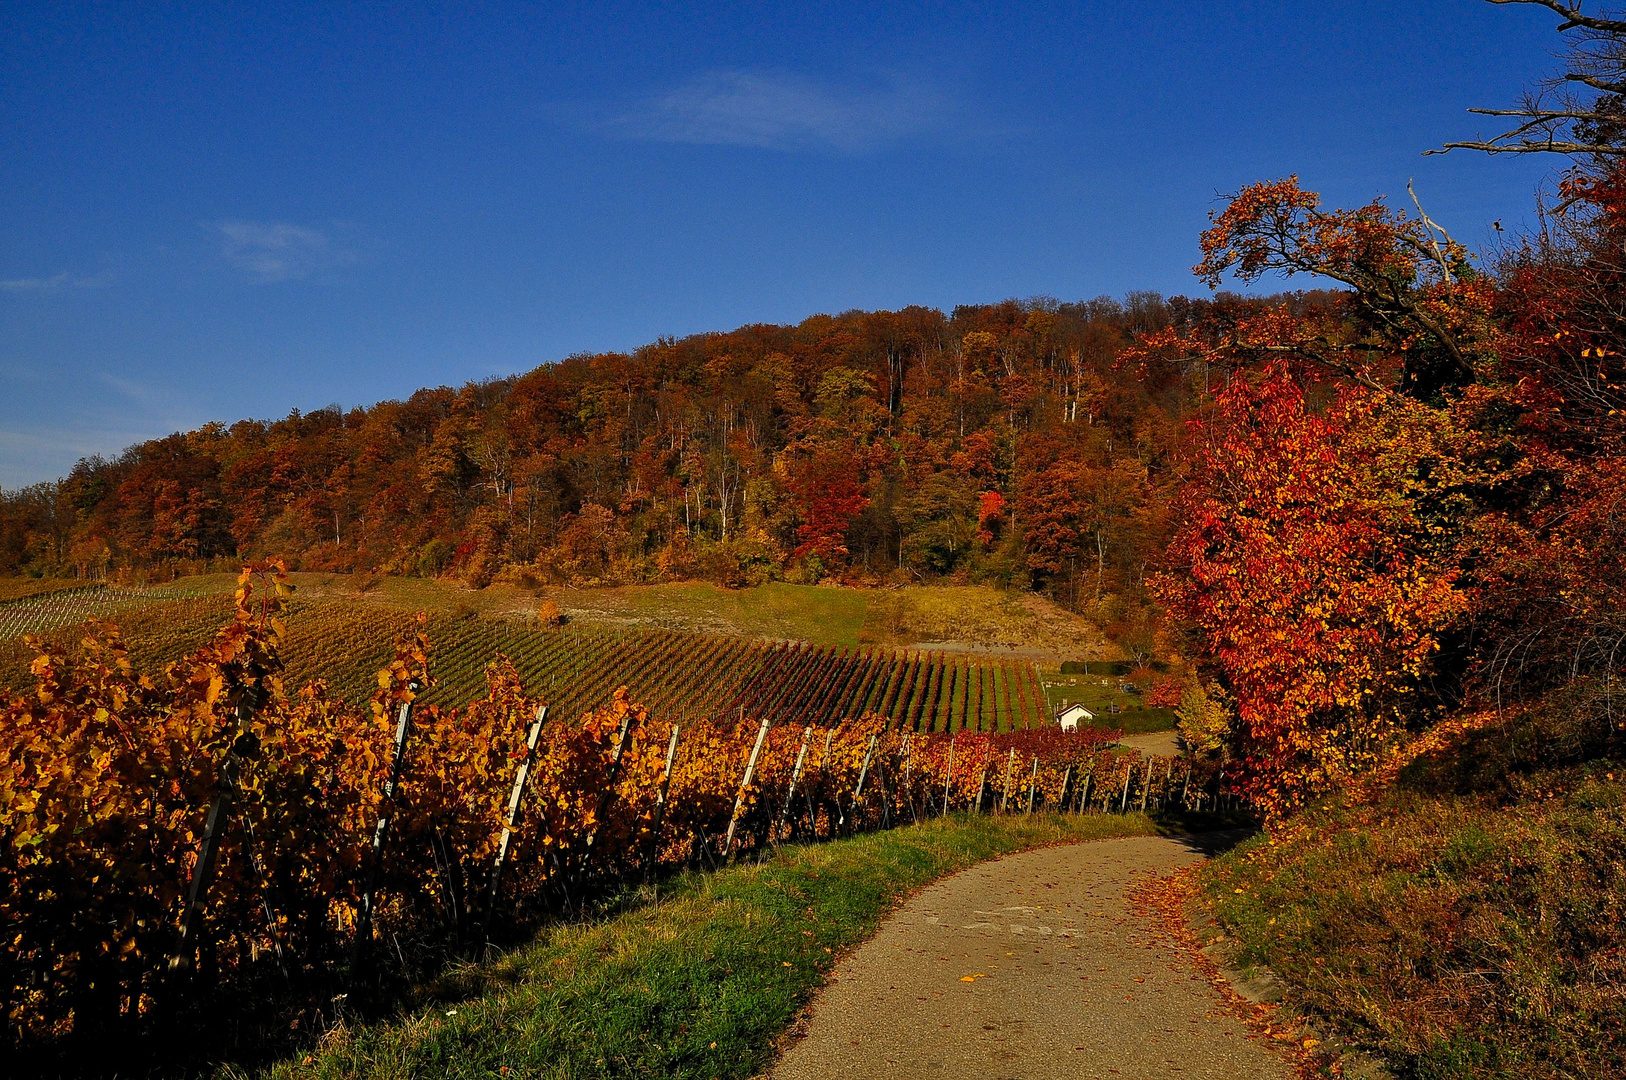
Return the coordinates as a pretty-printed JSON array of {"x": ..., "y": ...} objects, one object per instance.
[
  {"x": 1066, "y": 789},
  {"x": 1146, "y": 784},
  {"x": 982, "y": 786},
  {"x": 654, "y": 845},
  {"x": 1005, "y": 792},
  {"x": 265, "y": 898},
  {"x": 612, "y": 773},
  {"x": 886, "y": 791},
  {"x": 511, "y": 819},
  {"x": 908, "y": 766},
  {"x": 1129, "y": 772},
  {"x": 1089, "y": 785},
  {"x": 214, "y": 828},
  {"x": 1033, "y": 783},
  {"x": 745, "y": 784},
  {"x": 392, "y": 787},
  {"x": 863, "y": 774},
  {"x": 948, "y": 777},
  {"x": 795, "y": 775},
  {"x": 812, "y": 810}
]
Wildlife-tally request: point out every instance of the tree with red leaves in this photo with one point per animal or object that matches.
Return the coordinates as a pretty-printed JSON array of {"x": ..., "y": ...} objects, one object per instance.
[
  {"x": 1297, "y": 568},
  {"x": 990, "y": 507},
  {"x": 830, "y": 495}
]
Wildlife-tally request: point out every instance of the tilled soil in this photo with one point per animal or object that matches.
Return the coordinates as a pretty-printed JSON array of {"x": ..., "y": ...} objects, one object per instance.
[{"x": 1027, "y": 967}]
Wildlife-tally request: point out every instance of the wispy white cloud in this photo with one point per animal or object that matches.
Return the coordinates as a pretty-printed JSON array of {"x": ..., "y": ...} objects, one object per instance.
[
  {"x": 278, "y": 251},
  {"x": 54, "y": 283},
  {"x": 137, "y": 392},
  {"x": 785, "y": 111}
]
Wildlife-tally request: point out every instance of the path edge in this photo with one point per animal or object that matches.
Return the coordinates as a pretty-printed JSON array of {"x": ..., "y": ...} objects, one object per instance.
[{"x": 796, "y": 1030}]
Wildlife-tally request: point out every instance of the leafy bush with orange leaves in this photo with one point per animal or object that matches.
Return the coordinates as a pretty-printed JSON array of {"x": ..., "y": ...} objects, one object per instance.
[{"x": 1405, "y": 499}]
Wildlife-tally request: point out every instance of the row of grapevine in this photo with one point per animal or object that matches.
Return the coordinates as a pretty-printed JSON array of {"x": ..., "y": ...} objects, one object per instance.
[
  {"x": 124, "y": 798},
  {"x": 58, "y": 609},
  {"x": 579, "y": 666},
  {"x": 20, "y": 588},
  {"x": 915, "y": 691},
  {"x": 50, "y": 611}
]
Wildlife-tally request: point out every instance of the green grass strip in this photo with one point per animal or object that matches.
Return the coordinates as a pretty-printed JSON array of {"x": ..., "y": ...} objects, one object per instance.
[{"x": 695, "y": 981}]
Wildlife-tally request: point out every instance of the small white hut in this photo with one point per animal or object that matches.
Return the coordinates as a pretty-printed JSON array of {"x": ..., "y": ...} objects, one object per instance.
[{"x": 1073, "y": 715}]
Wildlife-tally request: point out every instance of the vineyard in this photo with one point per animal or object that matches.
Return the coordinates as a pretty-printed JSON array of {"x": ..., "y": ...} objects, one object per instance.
[
  {"x": 63, "y": 608},
  {"x": 18, "y": 588},
  {"x": 216, "y": 831},
  {"x": 577, "y": 668},
  {"x": 70, "y": 604}
]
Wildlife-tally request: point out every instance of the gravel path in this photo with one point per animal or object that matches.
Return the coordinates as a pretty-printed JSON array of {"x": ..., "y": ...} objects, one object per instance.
[
  {"x": 1156, "y": 744},
  {"x": 1027, "y": 967}
]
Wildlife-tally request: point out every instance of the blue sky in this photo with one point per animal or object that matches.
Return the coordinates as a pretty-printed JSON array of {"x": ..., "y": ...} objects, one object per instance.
[{"x": 220, "y": 211}]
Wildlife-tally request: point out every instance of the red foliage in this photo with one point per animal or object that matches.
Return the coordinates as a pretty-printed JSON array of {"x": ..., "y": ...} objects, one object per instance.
[
  {"x": 1464, "y": 473},
  {"x": 989, "y": 509},
  {"x": 1295, "y": 567},
  {"x": 1165, "y": 693},
  {"x": 831, "y": 494}
]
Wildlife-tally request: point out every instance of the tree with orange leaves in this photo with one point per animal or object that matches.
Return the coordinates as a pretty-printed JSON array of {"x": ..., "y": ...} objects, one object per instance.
[
  {"x": 1318, "y": 564},
  {"x": 1299, "y": 568},
  {"x": 1416, "y": 319}
]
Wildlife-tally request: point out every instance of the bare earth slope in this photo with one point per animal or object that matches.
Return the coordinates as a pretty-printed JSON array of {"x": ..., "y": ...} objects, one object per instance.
[{"x": 1028, "y": 967}]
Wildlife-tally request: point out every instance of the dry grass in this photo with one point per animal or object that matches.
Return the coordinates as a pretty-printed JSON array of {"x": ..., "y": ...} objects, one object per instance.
[
  {"x": 1470, "y": 921},
  {"x": 982, "y": 618}
]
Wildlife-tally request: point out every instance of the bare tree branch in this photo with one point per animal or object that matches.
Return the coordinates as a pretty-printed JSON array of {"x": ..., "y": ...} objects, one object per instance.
[
  {"x": 1572, "y": 16},
  {"x": 1431, "y": 226},
  {"x": 1528, "y": 146},
  {"x": 1539, "y": 115},
  {"x": 1593, "y": 81},
  {"x": 1595, "y": 58}
]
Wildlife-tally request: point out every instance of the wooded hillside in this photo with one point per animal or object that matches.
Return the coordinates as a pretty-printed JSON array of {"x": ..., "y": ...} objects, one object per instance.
[{"x": 1002, "y": 443}]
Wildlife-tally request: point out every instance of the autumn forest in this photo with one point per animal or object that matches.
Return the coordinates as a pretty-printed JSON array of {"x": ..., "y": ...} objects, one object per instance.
[{"x": 1005, "y": 443}]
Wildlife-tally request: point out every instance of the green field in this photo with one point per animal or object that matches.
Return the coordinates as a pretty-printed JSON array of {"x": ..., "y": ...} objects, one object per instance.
[
  {"x": 955, "y": 617},
  {"x": 974, "y": 618},
  {"x": 822, "y": 616},
  {"x": 1103, "y": 695}
]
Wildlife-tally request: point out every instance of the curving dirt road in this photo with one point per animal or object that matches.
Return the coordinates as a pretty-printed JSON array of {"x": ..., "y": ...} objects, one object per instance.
[{"x": 1027, "y": 967}]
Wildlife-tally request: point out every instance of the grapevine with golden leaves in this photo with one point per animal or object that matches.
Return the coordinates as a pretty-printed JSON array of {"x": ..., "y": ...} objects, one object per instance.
[{"x": 106, "y": 776}]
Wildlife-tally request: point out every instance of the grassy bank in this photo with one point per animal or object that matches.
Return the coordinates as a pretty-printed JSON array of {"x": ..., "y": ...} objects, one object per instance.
[
  {"x": 1470, "y": 923},
  {"x": 696, "y": 981}
]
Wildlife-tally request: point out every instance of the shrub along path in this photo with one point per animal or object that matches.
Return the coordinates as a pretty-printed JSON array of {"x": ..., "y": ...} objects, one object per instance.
[{"x": 1031, "y": 966}]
